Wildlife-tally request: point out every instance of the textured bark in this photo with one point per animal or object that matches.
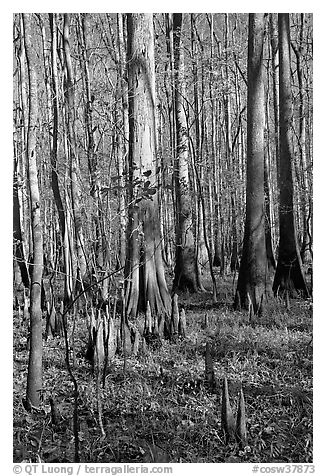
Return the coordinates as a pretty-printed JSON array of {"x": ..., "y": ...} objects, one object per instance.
[
  {"x": 227, "y": 418},
  {"x": 19, "y": 254},
  {"x": 144, "y": 271},
  {"x": 34, "y": 376},
  {"x": 252, "y": 275},
  {"x": 201, "y": 251},
  {"x": 123, "y": 139},
  {"x": 185, "y": 268},
  {"x": 20, "y": 193},
  {"x": 274, "y": 48},
  {"x": 289, "y": 276},
  {"x": 304, "y": 195},
  {"x": 241, "y": 427},
  {"x": 268, "y": 219}
]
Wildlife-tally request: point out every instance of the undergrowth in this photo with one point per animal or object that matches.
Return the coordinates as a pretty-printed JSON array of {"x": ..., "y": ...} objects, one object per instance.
[{"x": 160, "y": 409}]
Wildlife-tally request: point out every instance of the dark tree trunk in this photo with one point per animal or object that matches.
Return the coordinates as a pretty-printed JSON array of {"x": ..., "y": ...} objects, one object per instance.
[
  {"x": 185, "y": 266},
  {"x": 289, "y": 276},
  {"x": 252, "y": 275}
]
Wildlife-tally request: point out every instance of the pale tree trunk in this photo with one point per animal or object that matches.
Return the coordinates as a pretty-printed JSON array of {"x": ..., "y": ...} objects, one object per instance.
[
  {"x": 34, "y": 376},
  {"x": 268, "y": 179},
  {"x": 289, "y": 276},
  {"x": 229, "y": 153},
  {"x": 123, "y": 139},
  {"x": 274, "y": 48},
  {"x": 268, "y": 218},
  {"x": 201, "y": 252},
  {"x": 145, "y": 279},
  {"x": 21, "y": 274},
  {"x": 20, "y": 202},
  {"x": 185, "y": 259},
  {"x": 73, "y": 156},
  {"x": 304, "y": 193},
  {"x": 252, "y": 274},
  {"x": 19, "y": 254}
]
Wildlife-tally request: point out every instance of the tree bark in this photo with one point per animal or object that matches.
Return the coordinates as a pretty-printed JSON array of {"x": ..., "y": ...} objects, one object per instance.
[
  {"x": 73, "y": 155},
  {"x": 289, "y": 276},
  {"x": 185, "y": 259},
  {"x": 123, "y": 141},
  {"x": 144, "y": 271},
  {"x": 34, "y": 376},
  {"x": 303, "y": 185},
  {"x": 252, "y": 274}
]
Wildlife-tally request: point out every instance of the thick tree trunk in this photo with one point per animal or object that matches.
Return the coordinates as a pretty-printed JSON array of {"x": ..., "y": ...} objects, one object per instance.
[
  {"x": 252, "y": 275},
  {"x": 185, "y": 266},
  {"x": 144, "y": 271},
  {"x": 34, "y": 376},
  {"x": 289, "y": 276}
]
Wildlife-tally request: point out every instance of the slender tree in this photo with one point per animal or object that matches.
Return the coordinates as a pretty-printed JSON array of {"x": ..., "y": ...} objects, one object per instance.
[
  {"x": 123, "y": 136},
  {"x": 289, "y": 276},
  {"x": 34, "y": 376},
  {"x": 74, "y": 172},
  {"x": 185, "y": 259},
  {"x": 252, "y": 274},
  {"x": 145, "y": 279}
]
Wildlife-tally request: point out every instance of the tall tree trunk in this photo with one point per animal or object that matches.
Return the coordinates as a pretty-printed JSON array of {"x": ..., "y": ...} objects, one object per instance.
[
  {"x": 73, "y": 155},
  {"x": 34, "y": 376},
  {"x": 19, "y": 254},
  {"x": 145, "y": 279},
  {"x": 185, "y": 259},
  {"x": 90, "y": 146},
  {"x": 268, "y": 218},
  {"x": 201, "y": 252},
  {"x": 123, "y": 150},
  {"x": 20, "y": 192},
  {"x": 289, "y": 276},
  {"x": 63, "y": 219},
  {"x": 304, "y": 188},
  {"x": 252, "y": 274}
]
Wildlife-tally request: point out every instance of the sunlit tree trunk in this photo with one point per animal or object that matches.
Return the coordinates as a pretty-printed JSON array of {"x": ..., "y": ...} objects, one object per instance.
[
  {"x": 289, "y": 276},
  {"x": 123, "y": 135},
  {"x": 145, "y": 279},
  {"x": 34, "y": 376},
  {"x": 304, "y": 192},
  {"x": 201, "y": 251},
  {"x": 252, "y": 274}
]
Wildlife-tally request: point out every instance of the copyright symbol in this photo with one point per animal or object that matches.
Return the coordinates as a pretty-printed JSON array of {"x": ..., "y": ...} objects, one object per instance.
[{"x": 17, "y": 469}]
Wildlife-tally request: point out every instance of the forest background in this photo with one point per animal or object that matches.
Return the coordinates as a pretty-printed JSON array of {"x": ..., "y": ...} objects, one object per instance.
[{"x": 319, "y": 194}]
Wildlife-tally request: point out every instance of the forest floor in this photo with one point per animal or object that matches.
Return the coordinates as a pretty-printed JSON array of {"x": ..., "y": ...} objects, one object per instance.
[{"x": 160, "y": 409}]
